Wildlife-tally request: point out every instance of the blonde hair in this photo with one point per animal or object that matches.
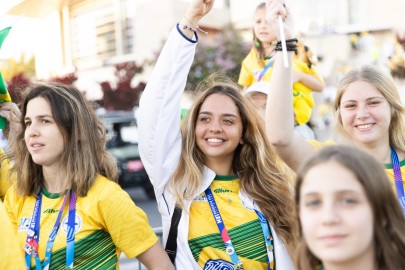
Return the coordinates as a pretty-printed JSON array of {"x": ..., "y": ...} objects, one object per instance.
[
  {"x": 259, "y": 49},
  {"x": 386, "y": 85},
  {"x": 389, "y": 221},
  {"x": 84, "y": 155},
  {"x": 255, "y": 162}
]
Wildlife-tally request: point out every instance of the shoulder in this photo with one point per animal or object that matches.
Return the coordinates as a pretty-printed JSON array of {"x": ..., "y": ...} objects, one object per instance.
[
  {"x": 317, "y": 145},
  {"x": 104, "y": 187}
]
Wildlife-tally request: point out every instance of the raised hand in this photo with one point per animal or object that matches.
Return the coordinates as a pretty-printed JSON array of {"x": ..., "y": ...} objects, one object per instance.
[
  {"x": 198, "y": 9},
  {"x": 276, "y": 8}
]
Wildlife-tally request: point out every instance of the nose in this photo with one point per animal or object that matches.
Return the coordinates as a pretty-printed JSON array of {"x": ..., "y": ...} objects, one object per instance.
[
  {"x": 216, "y": 127},
  {"x": 31, "y": 130},
  {"x": 330, "y": 214},
  {"x": 362, "y": 113}
]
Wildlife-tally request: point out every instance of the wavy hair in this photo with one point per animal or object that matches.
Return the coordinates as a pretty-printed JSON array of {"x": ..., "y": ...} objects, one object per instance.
[
  {"x": 84, "y": 155},
  {"x": 389, "y": 221},
  {"x": 260, "y": 171},
  {"x": 386, "y": 85}
]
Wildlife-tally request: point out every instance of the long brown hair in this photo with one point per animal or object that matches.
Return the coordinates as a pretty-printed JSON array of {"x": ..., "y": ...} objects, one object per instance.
[
  {"x": 389, "y": 221},
  {"x": 256, "y": 163},
  {"x": 84, "y": 155}
]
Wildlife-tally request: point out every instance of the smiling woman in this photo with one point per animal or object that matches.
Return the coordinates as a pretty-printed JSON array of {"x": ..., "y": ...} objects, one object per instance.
[{"x": 214, "y": 173}]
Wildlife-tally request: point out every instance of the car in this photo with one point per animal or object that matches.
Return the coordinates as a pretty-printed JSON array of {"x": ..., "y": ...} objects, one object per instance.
[{"x": 122, "y": 143}]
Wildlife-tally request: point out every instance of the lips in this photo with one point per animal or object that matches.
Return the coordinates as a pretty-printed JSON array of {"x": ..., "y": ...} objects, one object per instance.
[
  {"x": 333, "y": 239},
  {"x": 364, "y": 126},
  {"x": 215, "y": 140}
]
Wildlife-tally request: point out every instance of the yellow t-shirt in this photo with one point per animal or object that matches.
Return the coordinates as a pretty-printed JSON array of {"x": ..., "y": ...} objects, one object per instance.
[
  {"x": 242, "y": 225},
  {"x": 107, "y": 222},
  {"x": 303, "y": 102},
  {"x": 11, "y": 254},
  {"x": 5, "y": 182},
  {"x": 388, "y": 167}
]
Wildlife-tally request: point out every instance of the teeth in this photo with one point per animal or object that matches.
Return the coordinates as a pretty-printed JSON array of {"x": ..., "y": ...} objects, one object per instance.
[
  {"x": 364, "y": 126},
  {"x": 214, "y": 140}
]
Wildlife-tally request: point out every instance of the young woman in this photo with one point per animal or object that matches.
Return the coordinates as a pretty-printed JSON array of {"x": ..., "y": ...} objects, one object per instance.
[
  {"x": 348, "y": 213},
  {"x": 218, "y": 168},
  {"x": 258, "y": 67},
  {"x": 368, "y": 109},
  {"x": 65, "y": 204}
]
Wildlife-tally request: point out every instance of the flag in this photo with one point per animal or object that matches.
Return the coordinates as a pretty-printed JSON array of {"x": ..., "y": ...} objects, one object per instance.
[{"x": 4, "y": 95}]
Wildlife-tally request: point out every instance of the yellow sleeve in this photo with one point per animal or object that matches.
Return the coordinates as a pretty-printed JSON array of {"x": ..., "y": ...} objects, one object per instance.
[
  {"x": 246, "y": 77},
  {"x": 125, "y": 222},
  {"x": 11, "y": 255}
]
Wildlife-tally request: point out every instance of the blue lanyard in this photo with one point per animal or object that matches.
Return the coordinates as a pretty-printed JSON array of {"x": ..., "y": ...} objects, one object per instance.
[
  {"x": 399, "y": 186},
  {"x": 229, "y": 248},
  {"x": 31, "y": 246},
  {"x": 266, "y": 67}
]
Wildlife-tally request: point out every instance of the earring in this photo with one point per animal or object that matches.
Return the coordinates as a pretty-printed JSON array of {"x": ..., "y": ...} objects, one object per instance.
[{"x": 257, "y": 43}]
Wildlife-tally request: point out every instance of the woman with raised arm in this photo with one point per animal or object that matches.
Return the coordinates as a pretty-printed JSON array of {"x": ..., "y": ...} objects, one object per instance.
[
  {"x": 223, "y": 196},
  {"x": 368, "y": 110}
]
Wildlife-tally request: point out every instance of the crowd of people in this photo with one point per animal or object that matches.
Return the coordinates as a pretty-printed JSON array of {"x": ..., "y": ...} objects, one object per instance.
[{"x": 238, "y": 184}]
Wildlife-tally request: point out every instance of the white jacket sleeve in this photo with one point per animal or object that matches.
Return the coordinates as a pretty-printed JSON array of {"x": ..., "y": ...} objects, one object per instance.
[{"x": 159, "y": 110}]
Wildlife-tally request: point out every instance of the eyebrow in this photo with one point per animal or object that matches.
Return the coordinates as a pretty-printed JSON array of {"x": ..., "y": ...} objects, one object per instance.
[
  {"x": 370, "y": 98},
  {"x": 39, "y": 116},
  {"x": 343, "y": 191},
  {"x": 225, "y": 114}
]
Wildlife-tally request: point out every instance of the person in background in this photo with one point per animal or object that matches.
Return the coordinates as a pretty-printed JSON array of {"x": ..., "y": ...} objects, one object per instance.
[
  {"x": 258, "y": 67},
  {"x": 348, "y": 214},
  {"x": 368, "y": 110},
  {"x": 11, "y": 113},
  {"x": 11, "y": 255},
  {"x": 224, "y": 200},
  {"x": 66, "y": 206}
]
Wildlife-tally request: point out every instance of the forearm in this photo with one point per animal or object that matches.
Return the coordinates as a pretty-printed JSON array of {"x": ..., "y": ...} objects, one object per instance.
[
  {"x": 279, "y": 109},
  {"x": 312, "y": 81}
]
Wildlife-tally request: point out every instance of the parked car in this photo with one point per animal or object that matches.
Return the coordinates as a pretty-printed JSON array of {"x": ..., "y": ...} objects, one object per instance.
[{"x": 122, "y": 143}]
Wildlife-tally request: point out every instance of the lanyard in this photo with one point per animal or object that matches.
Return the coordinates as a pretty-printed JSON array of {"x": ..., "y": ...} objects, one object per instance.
[
  {"x": 31, "y": 246},
  {"x": 399, "y": 186},
  {"x": 230, "y": 250},
  {"x": 266, "y": 67}
]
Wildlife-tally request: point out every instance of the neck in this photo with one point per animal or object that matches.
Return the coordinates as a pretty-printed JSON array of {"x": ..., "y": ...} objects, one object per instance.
[
  {"x": 268, "y": 49},
  {"x": 220, "y": 166},
  {"x": 381, "y": 151},
  {"x": 51, "y": 180}
]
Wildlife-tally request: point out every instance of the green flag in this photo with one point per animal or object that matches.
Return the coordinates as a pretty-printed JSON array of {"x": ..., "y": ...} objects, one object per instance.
[{"x": 4, "y": 95}]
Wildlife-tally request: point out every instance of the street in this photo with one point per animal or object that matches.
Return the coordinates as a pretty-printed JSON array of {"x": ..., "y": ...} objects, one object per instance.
[{"x": 150, "y": 208}]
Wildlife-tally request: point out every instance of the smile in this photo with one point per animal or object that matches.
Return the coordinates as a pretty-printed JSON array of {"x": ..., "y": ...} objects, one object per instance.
[
  {"x": 215, "y": 140},
  {"x": 366, "y": 126}
]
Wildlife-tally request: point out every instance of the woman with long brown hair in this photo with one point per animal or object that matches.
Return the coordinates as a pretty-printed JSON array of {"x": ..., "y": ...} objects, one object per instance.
[{"x": 225, "y": 200}]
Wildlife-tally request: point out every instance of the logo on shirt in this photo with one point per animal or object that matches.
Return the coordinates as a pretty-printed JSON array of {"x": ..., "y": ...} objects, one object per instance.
[
  {"x": 24, "y": 224},
  {"x": 51, "y": 211},
  {"x": 222, "y": 190},
  {"x": 200, "y": 198},
  {"x": 218, "y": 265},
  {"x": 78, "y": 224}
]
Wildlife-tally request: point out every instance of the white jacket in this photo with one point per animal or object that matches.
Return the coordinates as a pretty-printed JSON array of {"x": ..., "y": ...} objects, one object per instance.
[{"x": 160, "y": 143}]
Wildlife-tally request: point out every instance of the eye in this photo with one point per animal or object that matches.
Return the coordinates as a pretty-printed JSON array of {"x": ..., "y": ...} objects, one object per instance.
[
  {"x": 45, "y": 121},
  {"x": 348, "y": 201},
  {"x": 349, "y": 106},
  {"x": 228, "y": 121},
  {"x": 204, "y": 119},
  {"x": 312, "y": 203},
  {"x": 374, "y": 102},
  {"x": 27, "y": 123}
]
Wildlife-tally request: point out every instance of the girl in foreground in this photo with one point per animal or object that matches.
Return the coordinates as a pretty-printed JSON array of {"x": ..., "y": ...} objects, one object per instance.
[{"x": 348, "y": 213}]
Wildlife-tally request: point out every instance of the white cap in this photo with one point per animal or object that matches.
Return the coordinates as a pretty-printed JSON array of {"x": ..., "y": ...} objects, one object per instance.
[{"x": 261, "y": 87}]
